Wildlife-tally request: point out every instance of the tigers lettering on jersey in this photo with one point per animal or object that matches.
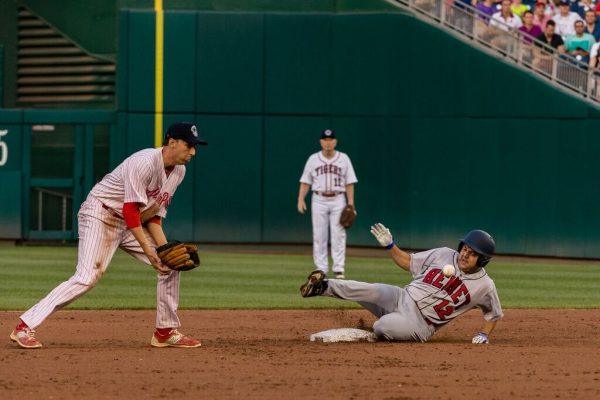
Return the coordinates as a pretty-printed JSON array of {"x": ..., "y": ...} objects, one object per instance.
[
  {"x": 328, "y": 169},
  {"x": 161, "y": 198},
  {"x": 453, "y": 286}
]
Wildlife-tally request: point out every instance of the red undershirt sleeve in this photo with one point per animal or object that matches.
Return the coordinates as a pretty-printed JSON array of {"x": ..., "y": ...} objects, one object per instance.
[{"x": 131, "y": 215}]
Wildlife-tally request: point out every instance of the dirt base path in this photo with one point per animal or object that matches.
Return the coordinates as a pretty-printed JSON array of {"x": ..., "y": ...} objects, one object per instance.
[{"x": 535, "y": 354}]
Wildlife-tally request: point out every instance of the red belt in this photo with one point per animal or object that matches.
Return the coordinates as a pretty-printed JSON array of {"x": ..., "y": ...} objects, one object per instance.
[
  {"x": 328, "y": 194},
  {"x": 110, "y": 210}
]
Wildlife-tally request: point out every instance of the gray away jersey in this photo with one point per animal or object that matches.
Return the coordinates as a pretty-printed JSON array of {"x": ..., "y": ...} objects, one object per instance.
[{"x": 441, "y": 298}]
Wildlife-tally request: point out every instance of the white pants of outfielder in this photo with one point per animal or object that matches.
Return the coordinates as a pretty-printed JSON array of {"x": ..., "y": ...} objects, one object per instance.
[
  {"x": 326, "y": 212},
  {"x": 399, "y": 316},
  {"x": 100, "y": 234}
]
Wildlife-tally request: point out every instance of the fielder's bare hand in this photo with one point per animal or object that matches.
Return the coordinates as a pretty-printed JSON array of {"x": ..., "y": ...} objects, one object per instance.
[
  {"x": 155, "y": 260},
  {"x": 301, "y": 206}
]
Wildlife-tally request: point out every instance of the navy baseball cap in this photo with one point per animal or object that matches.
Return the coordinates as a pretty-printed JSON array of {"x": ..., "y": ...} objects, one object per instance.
[
  {"x": 185, "y": 131},
  {"x": 328, "y": 134}
]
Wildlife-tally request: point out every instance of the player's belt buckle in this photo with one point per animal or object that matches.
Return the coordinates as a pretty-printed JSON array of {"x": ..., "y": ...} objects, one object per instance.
[
  {"x": 328, "y": 194},
  {"x": 110, "y": 210}
]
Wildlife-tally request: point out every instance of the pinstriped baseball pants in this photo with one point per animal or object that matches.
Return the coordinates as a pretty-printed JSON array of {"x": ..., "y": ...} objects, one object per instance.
[{"x": 100, "y": 234}]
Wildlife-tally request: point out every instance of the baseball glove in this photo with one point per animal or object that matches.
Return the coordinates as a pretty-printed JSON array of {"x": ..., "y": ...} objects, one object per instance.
[
  {"x": 348, "y": 216},
  {"x": 178, "y": 256}
]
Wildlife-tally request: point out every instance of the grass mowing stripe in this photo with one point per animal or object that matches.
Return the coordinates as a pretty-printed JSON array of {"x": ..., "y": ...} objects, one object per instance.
[{"x": 268, "y": 281}]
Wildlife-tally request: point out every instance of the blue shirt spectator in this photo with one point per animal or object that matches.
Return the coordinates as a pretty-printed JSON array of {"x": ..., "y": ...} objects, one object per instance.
[{"x": 592, "y": 26}]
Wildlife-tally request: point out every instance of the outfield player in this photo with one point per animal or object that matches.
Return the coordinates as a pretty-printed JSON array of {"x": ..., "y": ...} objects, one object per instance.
[
  {"x": 125, "y": 210},
  {"x": 416, "y": 311},
  {"x": 330, "y": 175}
]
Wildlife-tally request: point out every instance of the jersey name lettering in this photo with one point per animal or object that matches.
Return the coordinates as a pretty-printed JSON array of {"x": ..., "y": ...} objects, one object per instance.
[
  {"x": 161, "y": 198},
  {"x": 328, "y": 169},
  {"x": 454, "y": 287}
]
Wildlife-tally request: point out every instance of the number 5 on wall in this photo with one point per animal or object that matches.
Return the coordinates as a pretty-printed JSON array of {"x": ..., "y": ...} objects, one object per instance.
[{"x": 3, "y": 149}]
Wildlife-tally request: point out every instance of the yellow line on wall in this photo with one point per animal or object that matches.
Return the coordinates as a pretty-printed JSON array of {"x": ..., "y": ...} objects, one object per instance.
[{"x": 158, "y": 84}]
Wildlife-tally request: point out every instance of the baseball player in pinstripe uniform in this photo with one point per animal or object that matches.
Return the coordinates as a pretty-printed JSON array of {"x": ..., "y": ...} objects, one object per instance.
[
  {"x": 125, "y": 209},
  {"x": 330, "y": 175},
  {"x": 446, "y": 283}
]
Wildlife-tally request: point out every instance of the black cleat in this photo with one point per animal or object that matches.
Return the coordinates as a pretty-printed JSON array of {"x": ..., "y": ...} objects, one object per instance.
[{"x": 315, "y": 284}]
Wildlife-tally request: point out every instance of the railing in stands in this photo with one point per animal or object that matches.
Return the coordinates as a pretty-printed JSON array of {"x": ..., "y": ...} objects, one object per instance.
[{"x": 511, "y": 44}]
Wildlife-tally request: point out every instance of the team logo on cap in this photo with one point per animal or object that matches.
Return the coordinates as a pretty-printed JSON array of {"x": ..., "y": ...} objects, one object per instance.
[
  {"x": 194, "y": 130},
  {"x": 327, "y": 132}
]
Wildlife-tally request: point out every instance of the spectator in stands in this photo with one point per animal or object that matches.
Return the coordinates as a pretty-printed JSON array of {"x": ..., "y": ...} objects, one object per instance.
[
  {"x": 503, "y": 24},
  {"x": 582, "y": 6},
  {"x": 549, "y": 8},
  {"x": 505, "y": 19},
  {"x": 529, "y": 29},
  {"x": 518, "y": 8},
  {"x": 579, "y": 44},
  {"x": 594, "y": 54},
  {"x": 597, "y": 9},
  {"x": 592, "y": 27},
  {"x": 540, "y": 17},
  {"x": 595, "y": 67},
  {"x": 565, "y": 19},
  {"x": 543, "y": 59},
  {"x": 551, "y": 38},
  {"x": 487, "y": 8}
]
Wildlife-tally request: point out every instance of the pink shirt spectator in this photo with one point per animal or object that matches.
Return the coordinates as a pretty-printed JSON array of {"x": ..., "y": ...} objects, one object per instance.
[{"x": 541, "y": 21}]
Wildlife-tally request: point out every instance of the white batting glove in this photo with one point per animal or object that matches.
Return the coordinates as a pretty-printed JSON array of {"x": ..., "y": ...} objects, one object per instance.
[
  {"x": 481, "y": 338},
  {"x": 383, "y": 235}
]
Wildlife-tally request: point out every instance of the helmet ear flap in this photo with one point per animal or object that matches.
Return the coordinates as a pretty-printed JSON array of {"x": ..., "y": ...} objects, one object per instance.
[{"x": 482, "y": 261}]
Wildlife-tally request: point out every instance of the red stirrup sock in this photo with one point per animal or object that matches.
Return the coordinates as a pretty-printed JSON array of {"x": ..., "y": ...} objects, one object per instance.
[{"x": 163, "y": 331}]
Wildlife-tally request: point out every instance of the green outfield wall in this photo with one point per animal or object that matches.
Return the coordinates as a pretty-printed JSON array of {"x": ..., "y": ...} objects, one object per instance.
[{"x": 444, "y": 138}]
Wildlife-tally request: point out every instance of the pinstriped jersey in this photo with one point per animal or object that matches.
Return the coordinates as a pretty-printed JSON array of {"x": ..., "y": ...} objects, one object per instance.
[
  {"x": 328, "y": 175},
  {"x": 140, "y": 178},
  {"x": 441, "y": 298}
]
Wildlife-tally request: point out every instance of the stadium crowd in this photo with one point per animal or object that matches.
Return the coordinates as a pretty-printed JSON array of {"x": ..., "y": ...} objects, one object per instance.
[{"x": 570, "y": 28}]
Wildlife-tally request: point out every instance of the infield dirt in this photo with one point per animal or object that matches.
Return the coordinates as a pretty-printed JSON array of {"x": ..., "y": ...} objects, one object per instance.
[{"x": 534, "y": 354}]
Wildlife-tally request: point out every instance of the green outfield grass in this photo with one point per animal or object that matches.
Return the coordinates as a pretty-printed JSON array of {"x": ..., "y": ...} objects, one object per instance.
[{"x": 268, "y": 281}]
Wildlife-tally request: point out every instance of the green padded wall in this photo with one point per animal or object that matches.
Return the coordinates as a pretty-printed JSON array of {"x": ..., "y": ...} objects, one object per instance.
[
  {"x": 228, "y": 183},
  {"x": 230, "y": 63},
  {"x": 180, "y": 56},
  {"x": 140, "y": 62},
  {"x": 10, "y": 174},
  {"x": 297, "y": 64}
]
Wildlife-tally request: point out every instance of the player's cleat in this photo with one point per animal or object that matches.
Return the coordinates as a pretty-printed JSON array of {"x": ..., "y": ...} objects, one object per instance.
[
  {"x": 25, "y": 338},
  {"x": 173, "y": 339},
  {"x": 339, "y": 275},
  {"x": 315, "y": 284}
]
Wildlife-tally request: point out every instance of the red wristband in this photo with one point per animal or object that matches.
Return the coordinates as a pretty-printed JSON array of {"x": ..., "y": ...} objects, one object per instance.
[{"x": 155, "y": 220}]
